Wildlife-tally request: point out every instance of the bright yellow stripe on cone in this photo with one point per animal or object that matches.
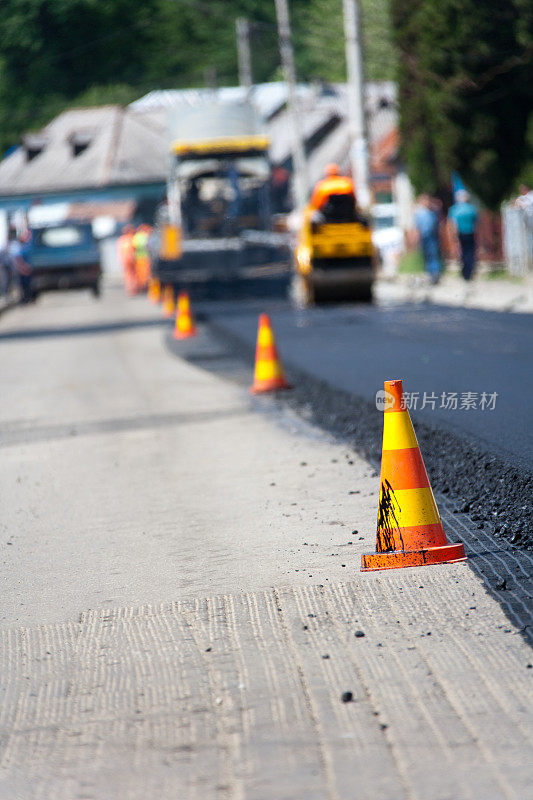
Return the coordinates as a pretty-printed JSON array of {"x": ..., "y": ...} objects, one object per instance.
[
  {"x": 398, "y": 431},
  {"x": 266, "y": 370},
  {"x": 265, "y": 337},
  {"x": 415, "y": 507}
]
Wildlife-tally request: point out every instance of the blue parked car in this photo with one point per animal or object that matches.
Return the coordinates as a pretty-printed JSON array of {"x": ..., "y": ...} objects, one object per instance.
[{"x": 64, "y": 256}]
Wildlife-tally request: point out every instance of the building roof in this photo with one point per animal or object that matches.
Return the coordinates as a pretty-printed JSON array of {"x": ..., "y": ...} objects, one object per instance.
[
  {"x": 323, "y": 115},
  {"x": 325, "y": 126},
  {"x": 268, "y": 98},
  {"x": 88, "y": 148}
]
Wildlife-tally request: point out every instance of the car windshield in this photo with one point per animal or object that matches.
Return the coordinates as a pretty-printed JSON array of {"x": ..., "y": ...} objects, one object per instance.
[{"x": 66, "y": 236}]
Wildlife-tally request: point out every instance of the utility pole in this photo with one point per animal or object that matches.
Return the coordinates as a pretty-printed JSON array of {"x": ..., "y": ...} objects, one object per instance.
[
  {"x": 356, "y": 101},
  {"x": 299, "y": 165},
  {"x": 211, "y": 78},
  {"x": 244, "y": 55}
]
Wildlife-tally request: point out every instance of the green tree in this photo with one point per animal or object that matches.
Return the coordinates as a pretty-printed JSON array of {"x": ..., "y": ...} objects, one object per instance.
[
  {"x": 55, "y": 53},
  {"x": 320, "y": 36},
  {"x": 465, "y": 92},
  {"x": 53, "y": 50}
]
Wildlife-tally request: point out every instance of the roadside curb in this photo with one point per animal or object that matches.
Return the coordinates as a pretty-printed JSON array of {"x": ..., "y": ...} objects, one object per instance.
[
  {"x": 481, "y": 294},
  {"x": 7, "y": 305}
]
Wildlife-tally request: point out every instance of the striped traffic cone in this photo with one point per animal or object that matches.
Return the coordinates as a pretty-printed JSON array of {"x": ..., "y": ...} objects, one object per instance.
[
  {"x": 168, "y": 302},
  {"x": 154, "y": 290},
  {"x": 185, "y": 327},
  {"x": 269, "y": 374},
  {"x": 410, "y": 532}
]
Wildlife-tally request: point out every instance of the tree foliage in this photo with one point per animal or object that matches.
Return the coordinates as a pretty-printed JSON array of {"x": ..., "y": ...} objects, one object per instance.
[
  {"x": 51, "y": 51},
  {"x": 466, "y": 83},
  {"x": 54, "y": 53},
  {"x": 321, "y": 40}
]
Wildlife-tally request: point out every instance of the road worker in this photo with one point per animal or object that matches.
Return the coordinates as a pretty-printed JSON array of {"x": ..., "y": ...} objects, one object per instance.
[
  {"x": 126, "y": 254},
  {"x": 334, "y": 190},
  {"x": 142, "y": 255}
]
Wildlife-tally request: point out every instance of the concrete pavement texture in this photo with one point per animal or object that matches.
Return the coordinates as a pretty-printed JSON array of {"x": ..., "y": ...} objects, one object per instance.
[{"x": 182, "y": 603}]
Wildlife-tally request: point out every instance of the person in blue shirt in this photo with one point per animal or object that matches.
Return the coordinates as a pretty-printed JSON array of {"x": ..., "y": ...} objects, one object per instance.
[
  {"x": 427, "y": 224},
  {"x": 18, "y": 252},
  {"x": 463, "y": 217}
]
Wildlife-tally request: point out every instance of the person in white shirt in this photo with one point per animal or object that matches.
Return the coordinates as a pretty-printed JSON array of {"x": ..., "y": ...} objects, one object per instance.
[{"x": 524, "y": 202}]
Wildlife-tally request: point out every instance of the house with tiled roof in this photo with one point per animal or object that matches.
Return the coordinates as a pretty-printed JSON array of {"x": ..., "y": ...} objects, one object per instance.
[{"x": 103, "y": 154}]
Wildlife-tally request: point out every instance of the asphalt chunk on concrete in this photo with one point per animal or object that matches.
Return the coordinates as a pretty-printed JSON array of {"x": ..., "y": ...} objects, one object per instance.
[{"x": 160, "y": 635}]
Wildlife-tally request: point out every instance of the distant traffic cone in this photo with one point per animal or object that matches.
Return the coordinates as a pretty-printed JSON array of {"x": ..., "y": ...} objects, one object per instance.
[
  {"x": 169, "y": 306},
  {"x": 410, "y": 532},
  {"x": 269, "y": 374},
  {"x": 154, "y": 290},
  {"x": 185, "y": 327}
]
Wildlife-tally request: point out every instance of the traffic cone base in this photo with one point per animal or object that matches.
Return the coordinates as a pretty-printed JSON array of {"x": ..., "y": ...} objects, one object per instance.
[
  {"x": 409, "y": 528},
  {"x": 185, "y": 327},
  {"x": 443, "y": 554},
  {"x": 268, "y": 386},
  {"x": 183, "y": 335},
  {"x": 268, "y": 374}
]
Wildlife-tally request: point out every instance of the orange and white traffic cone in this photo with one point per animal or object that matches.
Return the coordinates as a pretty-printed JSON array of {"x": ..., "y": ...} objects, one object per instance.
[
  {"x": 169, "y": 306},
  {"x": 154, "y": 290},
  {"x": 185, "y": 327},
  {"x": 269, "y": 374},
  {"x": 410, "y": 531}
]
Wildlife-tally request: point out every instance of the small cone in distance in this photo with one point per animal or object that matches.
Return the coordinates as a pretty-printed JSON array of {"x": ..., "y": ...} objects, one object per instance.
[
  {"x": 154, "y": 290},
  {"x": 168, "y": 302},
  {"x": 185, "y": 327},
  {"x": 269, "y": 374},
  {"x": 409, "y": 530}
]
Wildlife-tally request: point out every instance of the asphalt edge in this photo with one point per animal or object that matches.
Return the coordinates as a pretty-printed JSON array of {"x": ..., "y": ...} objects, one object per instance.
[{"x": 486, "y": 501}]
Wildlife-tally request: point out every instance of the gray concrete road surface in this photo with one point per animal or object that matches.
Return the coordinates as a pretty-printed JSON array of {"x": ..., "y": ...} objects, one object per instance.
[{"x": 181, "y": 594}]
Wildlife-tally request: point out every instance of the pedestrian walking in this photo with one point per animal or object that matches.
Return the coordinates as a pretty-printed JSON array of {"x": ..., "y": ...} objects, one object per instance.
[
  {"x": 524, "y": 202},
  {"x": 426, "y": 222},
  {"x": 463, "y": 218},
  {"x": 6, "y": 271},
  {"x": 18, "y": 249}
]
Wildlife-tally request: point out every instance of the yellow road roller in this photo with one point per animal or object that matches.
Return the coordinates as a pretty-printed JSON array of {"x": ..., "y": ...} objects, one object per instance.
[{"x": 334, "y": 259}]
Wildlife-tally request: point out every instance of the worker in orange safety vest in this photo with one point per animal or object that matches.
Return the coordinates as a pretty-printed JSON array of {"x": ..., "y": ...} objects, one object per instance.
[
  {"x": 332, "y": 184},
  {"x": 126, "y": 255},
  {"x": 142, "y": 256}
]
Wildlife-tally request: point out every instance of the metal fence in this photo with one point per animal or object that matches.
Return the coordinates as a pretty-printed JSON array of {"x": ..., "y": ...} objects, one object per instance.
[{"x": 517, "y": 237}]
